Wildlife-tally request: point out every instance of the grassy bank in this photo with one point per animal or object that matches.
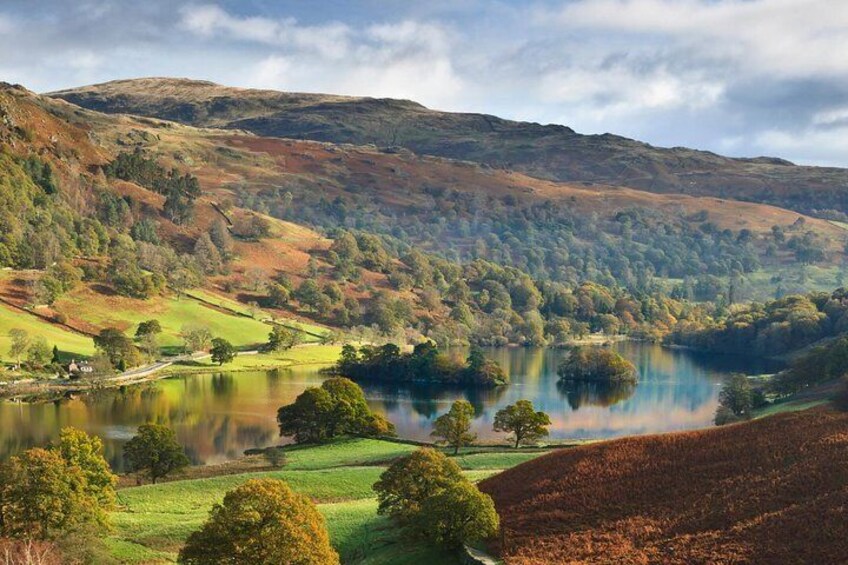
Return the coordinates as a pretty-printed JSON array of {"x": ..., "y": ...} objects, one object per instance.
[{"x": 153, "y": 521}]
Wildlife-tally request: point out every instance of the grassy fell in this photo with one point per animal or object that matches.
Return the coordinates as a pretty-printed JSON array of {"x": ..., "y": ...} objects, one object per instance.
[{"x": 745, "y": 493}]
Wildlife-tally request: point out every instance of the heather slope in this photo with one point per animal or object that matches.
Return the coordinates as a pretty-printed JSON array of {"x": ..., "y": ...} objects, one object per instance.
[
  {"x": 768, "y": 491},
  {"x": 544, "y": 151}
]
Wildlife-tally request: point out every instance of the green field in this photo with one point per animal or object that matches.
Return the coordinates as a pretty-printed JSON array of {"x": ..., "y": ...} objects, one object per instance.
[
  {"x": 311, "y": 354},
  {"x": 310, "y": 332},
  {"x": 173, "y": 314},
  {"x": 69, "y": 343},
  {"x": 153, "y": 521}
]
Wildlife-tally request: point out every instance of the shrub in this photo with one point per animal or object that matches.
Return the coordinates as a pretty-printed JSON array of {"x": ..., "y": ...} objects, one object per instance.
[{"x": 261, "y": 522}]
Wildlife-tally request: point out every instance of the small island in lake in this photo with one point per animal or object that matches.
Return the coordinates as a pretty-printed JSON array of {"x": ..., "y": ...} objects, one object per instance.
[
  {"x": 597, "y": 364},
  {"x": 425, "y": 363}
]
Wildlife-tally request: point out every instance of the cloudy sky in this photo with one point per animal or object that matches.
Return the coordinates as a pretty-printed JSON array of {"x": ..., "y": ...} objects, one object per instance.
[{"x": 739, "y": 77}]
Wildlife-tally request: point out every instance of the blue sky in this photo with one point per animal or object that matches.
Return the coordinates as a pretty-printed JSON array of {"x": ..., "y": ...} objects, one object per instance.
[{"x": 739, "y": 77}]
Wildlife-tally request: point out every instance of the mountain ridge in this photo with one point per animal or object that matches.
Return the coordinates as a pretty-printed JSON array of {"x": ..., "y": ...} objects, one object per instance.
[{"x": 551, "y": 152}]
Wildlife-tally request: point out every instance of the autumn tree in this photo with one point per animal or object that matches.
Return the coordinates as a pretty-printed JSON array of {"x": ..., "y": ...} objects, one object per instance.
[
  {"x": 262, "y": 522},
  {"x": 78, "y": 449},
  {"x": 459, "y": 514},
  {"x": 406, "y": 484},
  {"x": 155, "y": 452},
  {"x": 522, "y": 421},
  {"x": 455, "y": 427},
  {"x": 43, "y": 497}
]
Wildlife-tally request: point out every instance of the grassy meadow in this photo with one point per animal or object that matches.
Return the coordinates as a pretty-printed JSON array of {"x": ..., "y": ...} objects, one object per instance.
[
  {"x": 152, "y": 521},
  {"x": 69, "y": 343}
]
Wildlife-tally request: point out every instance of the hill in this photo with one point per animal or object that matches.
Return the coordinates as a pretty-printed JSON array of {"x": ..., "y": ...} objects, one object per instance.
[
  {"x": 385, "y": 238},
  {"x": 769, "y": 491},
  {"x": 544, "y": 151},
  {"x": 466, "y": 210}
]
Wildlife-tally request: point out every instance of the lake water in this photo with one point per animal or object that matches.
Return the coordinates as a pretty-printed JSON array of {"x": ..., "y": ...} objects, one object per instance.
[{"x": 217, "y": 416}]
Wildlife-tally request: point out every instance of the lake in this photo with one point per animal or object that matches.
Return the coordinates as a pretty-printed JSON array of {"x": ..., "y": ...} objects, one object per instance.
[{"x": 217, "y": 416}]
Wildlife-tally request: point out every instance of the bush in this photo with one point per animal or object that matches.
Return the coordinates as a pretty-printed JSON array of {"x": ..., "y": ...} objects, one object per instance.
[{"x": 262, "y": 522}]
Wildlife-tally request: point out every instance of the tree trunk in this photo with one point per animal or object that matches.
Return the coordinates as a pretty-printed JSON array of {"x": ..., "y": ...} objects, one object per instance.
[{"x": 517, "y": 441}]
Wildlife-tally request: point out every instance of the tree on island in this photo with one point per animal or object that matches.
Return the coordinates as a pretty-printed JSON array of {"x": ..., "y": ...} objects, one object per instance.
[
  {"x": 424, "y": 364},
  {"x": 523, "y": 422},
  {"x": 336, "y": 408},
  {"x": 222, "y": 351},
  {"x": 455, "y": 427},
  {"x": 263, "y": 522},
  {"x": 597, "y": 364},
  {"x": 155, "y": 452}
]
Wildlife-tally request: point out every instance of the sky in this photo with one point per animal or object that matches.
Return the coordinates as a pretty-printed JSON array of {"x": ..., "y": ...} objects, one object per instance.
[{"x": 738, "y": 77}]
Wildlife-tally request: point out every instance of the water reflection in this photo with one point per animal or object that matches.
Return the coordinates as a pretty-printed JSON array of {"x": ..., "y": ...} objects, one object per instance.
[{"x": 217, "y": 416}]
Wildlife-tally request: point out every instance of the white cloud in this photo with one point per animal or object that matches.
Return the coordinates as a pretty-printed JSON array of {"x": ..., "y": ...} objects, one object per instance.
[
  {"x": 786, "y": 37},
  {"x": 331, "y": 40},
  {"x": 405, "y": 59},
  {"x": 620, "y": 90},
  {"x": 812, "y": 146}
]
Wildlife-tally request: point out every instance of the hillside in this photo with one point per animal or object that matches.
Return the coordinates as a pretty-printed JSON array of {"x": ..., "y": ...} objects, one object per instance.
[
  {"x": 452, "y": 250},
  {"x": 544, "y": 151},
  {"x": 467, "y": 210},
  {"x": 770, "y": 491}
]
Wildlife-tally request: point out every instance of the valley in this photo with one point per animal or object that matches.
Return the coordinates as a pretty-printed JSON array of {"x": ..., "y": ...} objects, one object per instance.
[{"x": 201, "y": 260}]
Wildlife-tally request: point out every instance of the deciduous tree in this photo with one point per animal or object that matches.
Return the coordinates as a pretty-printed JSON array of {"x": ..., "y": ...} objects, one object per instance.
[
  {"x": 155, "y": 452},
  {"x": 523, "y": 422},
  {"x": 261, "y": 522},
  {"x": 455, "y": 427}
]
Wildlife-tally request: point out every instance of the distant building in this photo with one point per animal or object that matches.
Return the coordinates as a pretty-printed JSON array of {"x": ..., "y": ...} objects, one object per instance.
[{"x": 79, "y": 368}]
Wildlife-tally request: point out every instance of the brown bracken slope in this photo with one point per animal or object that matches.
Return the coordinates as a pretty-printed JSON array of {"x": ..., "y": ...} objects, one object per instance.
[{"x": 769, "y": 491}]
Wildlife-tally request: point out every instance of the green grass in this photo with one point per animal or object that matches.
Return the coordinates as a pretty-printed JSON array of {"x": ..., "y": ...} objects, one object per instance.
[
  {"x": 68, "y": 342},
  {"x": 345, "y": 452},
  {"x": 153, "y": 521},
  {"x": 173, "y": 314},
  {"x": 310, "y": 332},
  {"x": 496, "y": 461},
  {"x": 789, "y": 406},
  {"x": 298, "y": 356}
]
